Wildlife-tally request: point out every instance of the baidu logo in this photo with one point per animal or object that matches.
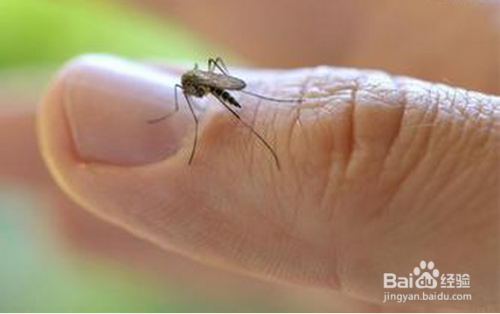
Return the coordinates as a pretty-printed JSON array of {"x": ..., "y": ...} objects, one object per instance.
[
  {"x": 426, "y": 276},
  {"x": 426, "y": 280}
]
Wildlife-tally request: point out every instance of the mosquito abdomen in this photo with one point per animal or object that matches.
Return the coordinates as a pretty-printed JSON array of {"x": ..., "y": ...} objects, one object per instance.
[{"x": 224, "y": 95}]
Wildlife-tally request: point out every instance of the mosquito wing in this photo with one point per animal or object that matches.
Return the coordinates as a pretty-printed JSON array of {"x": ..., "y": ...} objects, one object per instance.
[{"x": 221, "y": 81}]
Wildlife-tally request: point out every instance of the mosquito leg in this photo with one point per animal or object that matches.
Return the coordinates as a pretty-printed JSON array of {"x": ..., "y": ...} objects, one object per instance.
[
  {"x": 219, "y": 64},
  {"x": 211, "y": 64},
  {"x": 298, "y": 100},
  {"x": 156, "y": 120},
  {"x": 195, "y": 141},
  {"x": 262, "y": 140}
]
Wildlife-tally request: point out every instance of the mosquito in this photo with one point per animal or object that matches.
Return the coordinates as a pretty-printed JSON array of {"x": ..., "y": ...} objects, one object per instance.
[{"x": 199, "y": 83}]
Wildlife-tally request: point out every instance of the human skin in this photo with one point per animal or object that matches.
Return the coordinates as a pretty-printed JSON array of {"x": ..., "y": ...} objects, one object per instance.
[
  {"x": 466, "y": 55},
  {"x": 378, "y": 173}
]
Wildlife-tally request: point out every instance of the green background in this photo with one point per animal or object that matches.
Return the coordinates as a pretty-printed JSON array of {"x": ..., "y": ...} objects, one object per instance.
[{"x": 35, "y": 274}]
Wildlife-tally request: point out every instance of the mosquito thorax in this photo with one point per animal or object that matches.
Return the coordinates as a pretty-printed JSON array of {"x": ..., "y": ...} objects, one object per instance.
[{"x": 191, "y": 84}]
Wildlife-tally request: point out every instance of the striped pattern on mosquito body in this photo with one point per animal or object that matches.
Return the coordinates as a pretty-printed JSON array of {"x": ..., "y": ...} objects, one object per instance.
[{"x": 224, "y": 95}]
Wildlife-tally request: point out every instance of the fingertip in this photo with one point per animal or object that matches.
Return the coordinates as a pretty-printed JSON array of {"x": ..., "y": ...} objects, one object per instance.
[{"x": 92, "y": 130}]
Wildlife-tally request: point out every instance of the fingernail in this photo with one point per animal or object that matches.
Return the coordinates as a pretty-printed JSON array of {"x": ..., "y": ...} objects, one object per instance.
[{"x": 108, "y": 103}]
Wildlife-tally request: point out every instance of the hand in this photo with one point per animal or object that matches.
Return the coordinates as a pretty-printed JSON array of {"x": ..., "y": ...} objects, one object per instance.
[{"x": 378, "y": 173}]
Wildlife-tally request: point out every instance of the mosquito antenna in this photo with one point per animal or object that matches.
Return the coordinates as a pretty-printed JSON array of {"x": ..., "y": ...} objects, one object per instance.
[
  {"x": 262, "y": 140},
  {"x": 299, "y": 100}
]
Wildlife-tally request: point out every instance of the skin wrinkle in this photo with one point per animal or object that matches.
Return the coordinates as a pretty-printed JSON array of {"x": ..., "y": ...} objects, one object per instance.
[
  {"x": 323, "y": 120},
  {"x": 402, "y": 104},
  {"x": 302, "y": 94},
  {"x": 294, "y": 168},
  {"x": 397, "y": 137},
  {"x": 336, "y": 238},
  {"x": 397, "y": 132},
  {"x": 295, "y": 125},
  {"x": 434, "y": 109},
  {"x": 296, "y": 120},
  {"x": 346, "y": 150},
  {"x": 422, "y": 151},
  {"x": 352, "y": 131},
  {"x": 460, "y": 123},
  {"x": 380, "y": 95},
  {"x": 450, "y": 173},
  {"x": 464, "y": 139},
  {"x": 319, "y": 118},
  {"x": 329, "y": 177}
]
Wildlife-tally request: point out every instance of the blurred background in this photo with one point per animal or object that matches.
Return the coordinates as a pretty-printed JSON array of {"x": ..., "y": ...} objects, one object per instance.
[{"x": 55, "y": 257}]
